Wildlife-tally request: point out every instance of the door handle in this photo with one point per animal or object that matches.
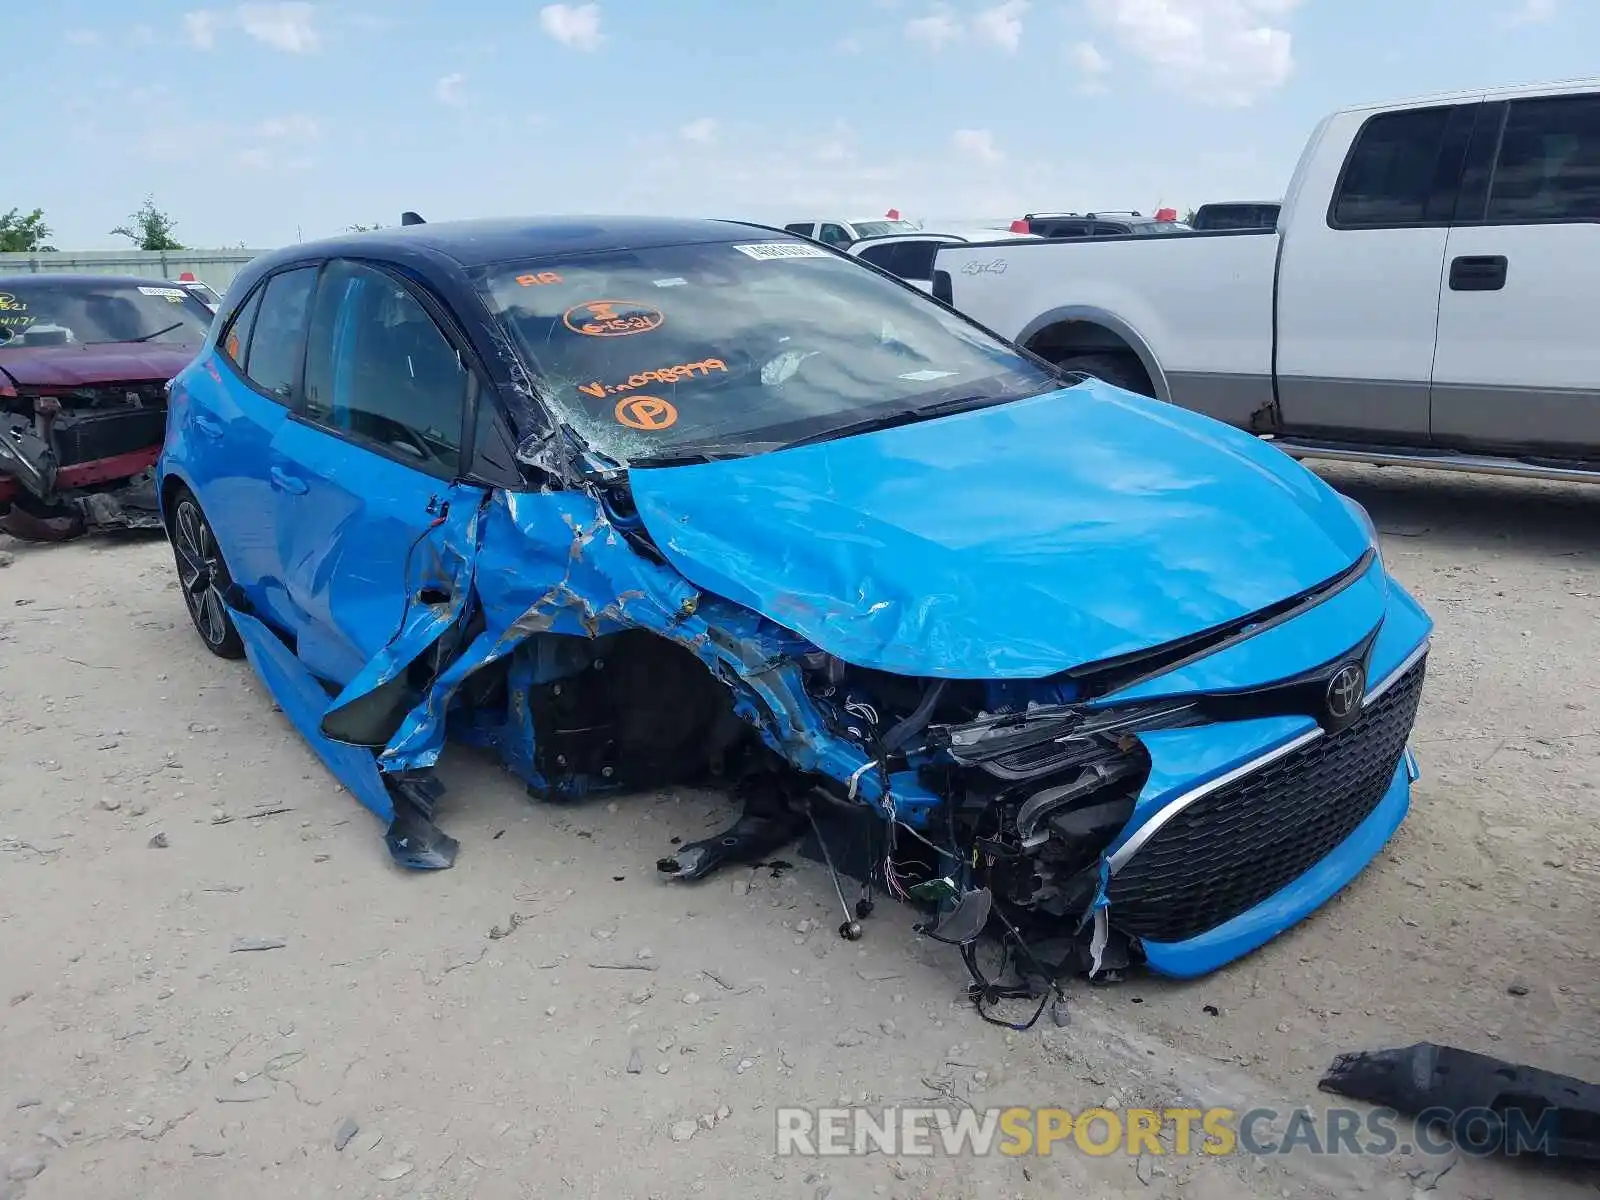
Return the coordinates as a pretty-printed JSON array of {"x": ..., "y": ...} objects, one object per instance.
[
  {"x": 1478, "y": 273},
  {"x": 286, "y": 482},
  {"x": 211, "y": 429}
]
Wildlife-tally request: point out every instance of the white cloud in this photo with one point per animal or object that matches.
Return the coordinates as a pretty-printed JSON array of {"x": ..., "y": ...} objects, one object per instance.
[
  {"x": 976, "y": 143},
  {"x": 294, "y": 126},
  {"x": 1001, "y": 24},
  {"x": 1225, "y": 52},
  {"x": 1533, "y": 12},
  {"x": 576, "y": 26},
  {"x": 83, "y": 37},
  {"x": 448, "y": 89},
  {"x": 848, "y": 45},
  {"x": 703, "y": 130},
  {"x": 288, "y": 26},
  {"x": 1091, "y": 67},
  {"x": 201, "y": 26},
  {"x": 1086, "y": 57},
  {"x": 935, "y": 31}
]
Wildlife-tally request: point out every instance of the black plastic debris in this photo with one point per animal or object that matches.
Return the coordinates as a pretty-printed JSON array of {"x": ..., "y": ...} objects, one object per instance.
[{"x": 1486, "y": 1103}]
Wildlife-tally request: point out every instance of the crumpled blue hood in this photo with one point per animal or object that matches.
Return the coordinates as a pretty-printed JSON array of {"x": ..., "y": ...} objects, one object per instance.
[{"x": 1008, "y": 543}]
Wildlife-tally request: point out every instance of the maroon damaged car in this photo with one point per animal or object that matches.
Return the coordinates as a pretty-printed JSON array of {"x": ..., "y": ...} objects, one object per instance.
[{"x": 84, "y": 366}]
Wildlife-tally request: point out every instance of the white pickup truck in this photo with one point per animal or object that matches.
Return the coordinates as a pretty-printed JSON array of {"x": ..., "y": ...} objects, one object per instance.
[{"x": 1427, "y": 298}]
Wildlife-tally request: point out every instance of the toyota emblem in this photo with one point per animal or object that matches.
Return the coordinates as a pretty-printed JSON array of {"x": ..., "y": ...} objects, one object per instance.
[{"x": 1345, "y": 690}]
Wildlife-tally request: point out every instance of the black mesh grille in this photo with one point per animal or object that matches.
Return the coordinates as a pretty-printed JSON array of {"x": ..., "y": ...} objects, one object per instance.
[{"x": 1231, "y": 849}]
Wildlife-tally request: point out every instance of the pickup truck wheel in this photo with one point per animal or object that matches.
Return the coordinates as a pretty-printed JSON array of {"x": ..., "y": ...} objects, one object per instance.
[{"x": 1119, "y": 370}]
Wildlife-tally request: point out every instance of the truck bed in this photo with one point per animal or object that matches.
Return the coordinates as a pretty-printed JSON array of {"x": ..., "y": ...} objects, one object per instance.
[{"x": 1206, "y": 299}]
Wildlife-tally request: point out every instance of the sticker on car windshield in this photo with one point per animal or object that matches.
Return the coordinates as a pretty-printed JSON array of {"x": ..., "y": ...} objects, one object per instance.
[
  {"x": 925, "y": 375},
  {"x": 646, "y": 412},
  {"x": 675, "y": 281},
  {"x": 612, "y": 318},
  {"x": 169, "y": 293},
  {"x": 539, "y": 279},
  {"x": 767, "y": 250},
  {"x": 674, "y": 374},
  {"x": 14, "y": 314}
]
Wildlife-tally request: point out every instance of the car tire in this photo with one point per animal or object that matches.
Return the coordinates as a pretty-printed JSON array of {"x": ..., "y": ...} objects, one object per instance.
[
  {"x": 1119, "y": 370},
  {"x": 202, "y": 576}
]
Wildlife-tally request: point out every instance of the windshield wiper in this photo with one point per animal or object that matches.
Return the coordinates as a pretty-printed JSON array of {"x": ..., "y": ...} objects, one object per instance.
[
  {"x": 158, "y": 333},
  {"x": 900, "y": 416},
  {"x": 702, "y": 452}
]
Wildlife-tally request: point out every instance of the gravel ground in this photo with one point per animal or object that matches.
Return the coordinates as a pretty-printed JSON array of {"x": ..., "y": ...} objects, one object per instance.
[{"x": 475, "y": 1024}]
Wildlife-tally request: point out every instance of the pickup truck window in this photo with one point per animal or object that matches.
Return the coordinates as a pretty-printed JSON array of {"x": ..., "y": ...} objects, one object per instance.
[
  {"x": 1390, "y": 173},
  {"x": 1549, "y": 163}
]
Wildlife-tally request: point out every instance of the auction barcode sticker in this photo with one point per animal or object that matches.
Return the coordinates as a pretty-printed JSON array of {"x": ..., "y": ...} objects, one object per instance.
[
  {"x": 781, "y": 250},
  {"x": 174, "y": 293}
]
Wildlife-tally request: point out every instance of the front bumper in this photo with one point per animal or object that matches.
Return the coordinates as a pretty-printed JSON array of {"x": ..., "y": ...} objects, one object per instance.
[
  {"x": 1286, "y": 907},
  {"x": 1271, "y": 822}
]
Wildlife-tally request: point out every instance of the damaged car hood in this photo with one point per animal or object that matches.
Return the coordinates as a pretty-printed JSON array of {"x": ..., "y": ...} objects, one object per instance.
[
  {"x": 84, "y": 366},
  {"x": 1014, "y": 541}
]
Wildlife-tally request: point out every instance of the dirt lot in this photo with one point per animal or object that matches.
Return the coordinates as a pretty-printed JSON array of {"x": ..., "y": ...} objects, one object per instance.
[{"x": 476, "y": 1026}]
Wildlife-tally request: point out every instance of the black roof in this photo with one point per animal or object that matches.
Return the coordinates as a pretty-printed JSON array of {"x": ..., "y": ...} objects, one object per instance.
[{"x": 480, "y": 242}]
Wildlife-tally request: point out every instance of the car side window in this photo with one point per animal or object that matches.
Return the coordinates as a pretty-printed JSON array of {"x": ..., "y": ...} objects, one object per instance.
[
  {"x": 1390, "y": 173},
  {"x": 1548, "y": 168},
  {"x": 834, "y": 235},
  {"x": 803, "y": 228},
  {"x": 884, "y": 257},
  {"x": 278, "y": 340},
  {"x": 1103, "y": 229},
  {"x": 236, "y": 341},
  {"x": 1066, "y": 229},
  {"x": 916, "y": 260},
  {"x": 381, "y": 372}
]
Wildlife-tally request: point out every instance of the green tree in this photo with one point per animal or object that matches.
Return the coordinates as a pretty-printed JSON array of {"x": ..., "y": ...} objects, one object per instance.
[
  {"x": 1188, "y": 217},
  {"x": 24, "y": 234},
  {"x": 359, "y": 228},
  {"x": 149, "y": 228}
]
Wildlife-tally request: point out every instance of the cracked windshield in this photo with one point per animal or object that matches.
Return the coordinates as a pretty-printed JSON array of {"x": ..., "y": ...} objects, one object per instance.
[{"x": 731, "y": 348}]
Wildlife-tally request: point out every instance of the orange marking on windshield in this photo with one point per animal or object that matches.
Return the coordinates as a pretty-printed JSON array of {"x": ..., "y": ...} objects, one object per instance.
[
  {"x": 659, "y": 375},
  {"x": 646, "y": 412},
  {"x": 612, "y": 318}
]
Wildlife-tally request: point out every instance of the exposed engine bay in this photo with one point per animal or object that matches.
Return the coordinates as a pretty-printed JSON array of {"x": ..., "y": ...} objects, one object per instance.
[{"x": 79, "y": 459}]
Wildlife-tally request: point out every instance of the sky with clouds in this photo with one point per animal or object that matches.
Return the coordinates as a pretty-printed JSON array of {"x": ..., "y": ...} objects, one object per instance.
[{"x": 266, "y": 121}]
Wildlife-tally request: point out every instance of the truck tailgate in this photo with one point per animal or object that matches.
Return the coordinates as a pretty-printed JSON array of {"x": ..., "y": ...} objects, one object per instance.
[{"x": 1202, "y": 303}]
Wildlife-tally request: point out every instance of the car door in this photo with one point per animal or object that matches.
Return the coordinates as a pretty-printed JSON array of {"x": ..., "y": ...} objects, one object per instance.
[
  {"x": 1518, "y": 364},
  {"x": 367, "y": 499},
  {"x": 233, "y": 412},
  {"x": 1358, "y": 285}
]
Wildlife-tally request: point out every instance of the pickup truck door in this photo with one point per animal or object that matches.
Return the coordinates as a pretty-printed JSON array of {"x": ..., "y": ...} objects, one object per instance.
[
  {"x": 1518, "y": 362},
  {"x": 1358, "y": 283}
]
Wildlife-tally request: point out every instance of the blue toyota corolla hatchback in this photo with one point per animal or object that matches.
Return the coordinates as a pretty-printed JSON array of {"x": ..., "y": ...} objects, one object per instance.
[{"x": 641, "y": 502}]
